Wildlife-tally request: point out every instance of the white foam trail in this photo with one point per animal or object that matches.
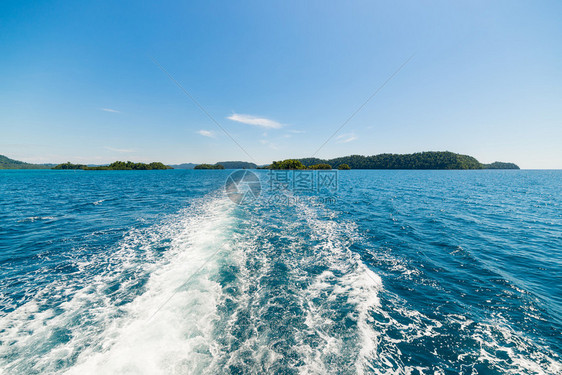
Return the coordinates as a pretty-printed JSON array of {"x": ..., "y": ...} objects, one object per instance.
[
  {"x": 178, "y": 338},
  {"x": 358, "y": 286},
  {"x": 128, "y": 338},
  {"x": 495, "y": 337},
  {"x": 378, "y": 351}
]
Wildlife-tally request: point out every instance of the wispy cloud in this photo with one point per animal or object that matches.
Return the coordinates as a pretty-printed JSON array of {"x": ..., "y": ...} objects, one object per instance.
[
  {"x": 293, "y": 131},
  {"x": 270, "y": 144},
  {"x": 255, "y": 121},
  {"x": 346, "y": 138},
  {"x": 206, "y": 133},
  {"x": 110, "y": 110},
  {"x": 121, "y": 150}
]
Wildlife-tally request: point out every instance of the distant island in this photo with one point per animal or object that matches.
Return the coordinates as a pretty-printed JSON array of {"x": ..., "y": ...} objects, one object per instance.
[
  {"x": 419, "y": 160},
  {"x": 116, "y": 166},
  {"x": 183, "y": 166},
  {"x": 500, "y": 165},
  {"x": 209, "y": 166},
  {"x": 226, "y": 165},
  {"x": 296, "y": 164}
]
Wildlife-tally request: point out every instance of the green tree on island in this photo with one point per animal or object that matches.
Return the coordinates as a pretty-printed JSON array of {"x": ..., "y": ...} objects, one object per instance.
[
  {"x": 69, "y": 165},
  {"x": 287, "y": 164},
  {"x": 320, "y": 166}
]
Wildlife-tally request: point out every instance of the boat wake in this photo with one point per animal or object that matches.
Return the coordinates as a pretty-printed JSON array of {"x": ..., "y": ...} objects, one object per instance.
[{"x": 219, "y": 288}]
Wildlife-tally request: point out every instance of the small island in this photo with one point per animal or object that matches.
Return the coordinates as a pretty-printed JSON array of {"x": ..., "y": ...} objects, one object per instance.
[
  {"x": 227, "y": 165},
  {"x": 297, "y": 164},
  {"x": 500, "y": 165},
  {"x": 237, "y": 165},
  {"x": 116, "y": 166},
  {"x": 209, "y": 166}
]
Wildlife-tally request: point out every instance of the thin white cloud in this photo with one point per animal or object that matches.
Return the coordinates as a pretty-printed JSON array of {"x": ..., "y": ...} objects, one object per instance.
[
  {"x": 270, "y": 144},
  {"x": 255, "y": 121},
  {"x": 110, "y": 110},
  {"x": 206, "y": 133},
  {"x": 121, "y": 150},
  {"x": 293, "y": 131},
  {"x": 348, "y": 137}
]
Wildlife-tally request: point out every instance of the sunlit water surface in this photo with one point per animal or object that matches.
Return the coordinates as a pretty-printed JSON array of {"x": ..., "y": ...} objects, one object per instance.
[{"x": 159, "y": 272}]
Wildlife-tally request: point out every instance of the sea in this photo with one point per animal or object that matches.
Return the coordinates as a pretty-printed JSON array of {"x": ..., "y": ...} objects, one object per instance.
[{"x": 261, "y": 272}]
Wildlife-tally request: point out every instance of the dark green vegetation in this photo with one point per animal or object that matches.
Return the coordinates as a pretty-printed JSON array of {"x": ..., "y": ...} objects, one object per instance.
[
  {"x": 130, "y": 166},
  {"x": 320, "y": 166},
  {"x": 420, "y": 160},
  {"x": 69, "y": 165},
  {"x": 344, "y": 167},
  {"x": 287, "y": 164},
  {"x": 296, "y": 164},
  {"x": 237, "y": 165},
  {"x": 116, "y": 166},
  {"x": 7, "y": 163},
  {"x": 209, "y": 166}
]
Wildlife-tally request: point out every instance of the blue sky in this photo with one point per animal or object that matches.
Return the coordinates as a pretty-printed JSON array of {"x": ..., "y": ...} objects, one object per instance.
[{"x": 78, "y": 81}]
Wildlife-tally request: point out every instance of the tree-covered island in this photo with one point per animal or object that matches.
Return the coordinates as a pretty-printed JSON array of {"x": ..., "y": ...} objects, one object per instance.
[
  {"x": 116, "y": 166},
  {"x": 419, "y": 160},
  {"x": 296, "y": 164},
  {"x": 209, "y": 166}
]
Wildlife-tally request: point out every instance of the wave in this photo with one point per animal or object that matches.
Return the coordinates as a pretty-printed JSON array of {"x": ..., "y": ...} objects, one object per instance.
[
  {"x": 295, "y": 299},
  {"x": 31, "y": 219},
  {"x": 218, "y": 288},
  {"x": 137, "y": 313}
]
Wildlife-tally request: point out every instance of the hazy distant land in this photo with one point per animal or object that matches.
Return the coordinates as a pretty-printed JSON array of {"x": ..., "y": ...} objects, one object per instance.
[{"x": 7, "y": 163}]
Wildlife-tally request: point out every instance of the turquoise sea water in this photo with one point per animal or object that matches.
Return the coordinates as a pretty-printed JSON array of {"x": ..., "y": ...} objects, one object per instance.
[{"x": 159, "y": 272}]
